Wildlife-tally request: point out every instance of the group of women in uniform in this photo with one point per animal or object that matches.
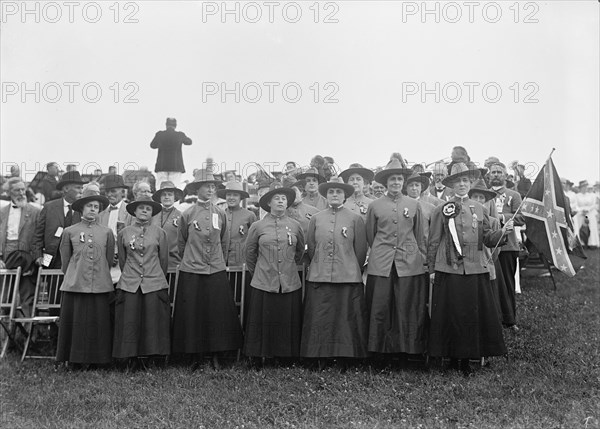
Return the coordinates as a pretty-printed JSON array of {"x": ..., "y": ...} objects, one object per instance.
[{"x": 339, "y": 316}]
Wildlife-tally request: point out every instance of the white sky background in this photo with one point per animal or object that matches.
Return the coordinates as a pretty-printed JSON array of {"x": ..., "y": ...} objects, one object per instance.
[{"x": 369, "y": 53}]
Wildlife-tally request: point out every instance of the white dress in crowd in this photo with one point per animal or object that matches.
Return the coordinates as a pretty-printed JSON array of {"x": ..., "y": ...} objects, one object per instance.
[{"x": 587, "y": 205}]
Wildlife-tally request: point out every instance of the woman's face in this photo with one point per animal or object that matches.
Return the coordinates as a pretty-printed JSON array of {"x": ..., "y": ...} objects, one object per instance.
[
  {"x": 90, "y": 210},
  {"x": 167, "y": 198},
  {"x": 413, "y": 189},
  {"x": 278, "y": 203},
  {"x": 207, "y": 191},
  {"x": 143, "y": 212},
  {"x": 312, "y": 184},
  {"x": 357, "y": 181},
  {"x": 335, "y": 197},
  {"x": 479, "y": 197},
  {"x": 462, "y": 186},
  {"x": 395, "y": 183}
]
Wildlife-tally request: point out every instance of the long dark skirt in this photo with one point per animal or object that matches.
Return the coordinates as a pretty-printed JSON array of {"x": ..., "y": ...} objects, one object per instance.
[
  {"x": 496, "y": 296},
  {"x": 205, "y": 319},
  {"x": 274, "y": 324},
  {"x": 84, "y": 334},
  {"x": 464, "y": 319},
  {"x": 398, "y": 317},
  {"x": 142, "y": 324},
  {"x": 335, "y": 321},
  {"x": 505, "y": 277}
]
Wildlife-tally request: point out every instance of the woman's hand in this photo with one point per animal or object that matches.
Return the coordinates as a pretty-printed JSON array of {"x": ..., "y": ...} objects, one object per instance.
[{"x": 509, "y": 226}]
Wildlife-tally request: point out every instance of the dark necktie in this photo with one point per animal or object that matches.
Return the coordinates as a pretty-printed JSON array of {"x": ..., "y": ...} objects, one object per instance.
[
  {"x": 111, "y": 208},
  {"x": 69, "y": 217}
]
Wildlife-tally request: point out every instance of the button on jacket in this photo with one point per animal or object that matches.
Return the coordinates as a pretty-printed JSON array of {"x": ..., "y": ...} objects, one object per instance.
[
  {"x": 510, "y": 201},
  {"x": 199, "y": 240},
  {"x": 473, "y": 230},
  {"x": 143, "y": 258},
  {"x": 337, "y": 246},
  {"x": 239, "y": 221},
  {"x": 395, "y": 234},
  {"x": 86, "y": 251},
  {"x": 274, "y": 248},
  {"x": 302, "y": 213},
  {"x": 168, "y": 219},
  {"x": 358, "y": 205}
]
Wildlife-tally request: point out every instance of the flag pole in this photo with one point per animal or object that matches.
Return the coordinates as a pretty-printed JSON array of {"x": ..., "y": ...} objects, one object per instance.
[{"x": 513, "y": 216}]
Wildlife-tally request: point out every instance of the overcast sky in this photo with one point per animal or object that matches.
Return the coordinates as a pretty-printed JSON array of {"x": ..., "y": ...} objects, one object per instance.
[{"x": 174, "y": 58}]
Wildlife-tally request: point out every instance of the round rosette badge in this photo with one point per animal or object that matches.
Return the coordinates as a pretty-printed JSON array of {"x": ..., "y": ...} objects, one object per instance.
[{"x": 450, "y": 209}]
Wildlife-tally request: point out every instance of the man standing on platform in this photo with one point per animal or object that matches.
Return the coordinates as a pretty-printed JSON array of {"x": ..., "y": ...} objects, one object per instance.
[{"x": 169, "y": 163}]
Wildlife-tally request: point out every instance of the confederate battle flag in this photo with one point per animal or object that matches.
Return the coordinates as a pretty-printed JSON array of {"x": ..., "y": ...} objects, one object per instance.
[{"x": 549, "y": 225}]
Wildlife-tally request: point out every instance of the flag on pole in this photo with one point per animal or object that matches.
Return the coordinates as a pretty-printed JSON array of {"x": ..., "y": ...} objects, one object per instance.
[{"x": 549, "y": 223}]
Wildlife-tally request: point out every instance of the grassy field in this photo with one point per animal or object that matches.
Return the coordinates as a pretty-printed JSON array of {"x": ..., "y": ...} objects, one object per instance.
[{"x": 551, "y": 380}]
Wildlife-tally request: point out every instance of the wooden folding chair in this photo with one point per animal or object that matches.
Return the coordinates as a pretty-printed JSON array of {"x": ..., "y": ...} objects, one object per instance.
[
  {"x": 237, "y": 278},
  {"x": 172, "y": 279},
  {"x": 9, "y": 295},
  {"x": 46, "y": 300}
]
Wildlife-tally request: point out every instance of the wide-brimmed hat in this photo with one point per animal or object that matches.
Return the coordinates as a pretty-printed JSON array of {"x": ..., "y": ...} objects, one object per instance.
[
  {"x": 365, "y": 173},
  {"x": 459, "y": 170},
  {"x": 393, "y": 167},
  {"x": 235, "y": 187},
  {"x": 114, "y": 181},
  {"x": 266, "y": 198},
  {"x": 480, "y": 187},
  {"x": 132, "y": 206},
  {"x": 90, "y": 194},
  {"x": 311, "y": 172},
  {"x": 168, "y": 186},
  {"x": 202, "y": 177},
  {"x": 418, "y": 177},
  {"x": 69, "y": 177},
  {"x": 338, "y": 183}
]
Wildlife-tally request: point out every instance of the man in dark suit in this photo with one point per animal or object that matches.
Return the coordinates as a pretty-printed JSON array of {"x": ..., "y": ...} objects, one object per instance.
[
  {"x": 54, "y": 218},
  {"x": 169, "y": 163},
  {"x": 438, "y": 190},
  {"x": 17, "y": 228}
]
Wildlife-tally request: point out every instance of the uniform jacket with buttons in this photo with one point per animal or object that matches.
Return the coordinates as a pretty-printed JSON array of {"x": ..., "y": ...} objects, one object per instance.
[
  {"x": 510, "y": 201},
  {"x": 396, "y": 235},
  {"x": 274, "y": 248},
  {"x": 87, "y": 250},
  {"x": 201, "y": 230},
  {"x": 239, "y": 221},
  {"x": 143, "y": 258},
  {"x": 358, "y": 205},
  {"x": 316, "y": 200},
  {"x": 302, "y": 213},
  {"x": 427, "y": 210},
  {"x": 168, "y": 220},
  {"x": 474, "y": 231},
  {"x": 337, "y": 246},
  {"x": 428, "y": 198},
  {"x": 446, "y": 195}
]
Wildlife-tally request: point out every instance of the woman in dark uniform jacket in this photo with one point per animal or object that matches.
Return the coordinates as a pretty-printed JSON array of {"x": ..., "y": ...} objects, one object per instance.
[
  {"x": 274, "y": 247},
  {"x": 142, "y": 311},
  {"x": 86, "y": 251},
  {"x": 205, "y": 319},
  {"x": 397, "y": 283},
  {"x": 335, "y": 313},
  {"x": 464, "y": 319}
]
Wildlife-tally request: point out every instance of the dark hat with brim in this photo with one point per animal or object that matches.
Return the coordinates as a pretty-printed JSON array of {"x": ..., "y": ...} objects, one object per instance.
[
  {"x": 336, "y": 183},
  {"x": 114, "y": 181},
  {"x": 480, "y": 187},
  {"x": 266, "y": 198},
  {"x": 393, "y": 167},
  {"x": 311, "y": 172},
  {"x": 207, "y": 178},
  {"x": 132, "y": 206},
  {"x": 365, "y": 173},
  {"x": 167, "y": 186},
  {"x": 459, "y": 170},
  {"x": 81, "y": 202},
  {"x": 233, "y": 187},
  {"x": 417, "y": 177},
  {"x": 68, "y": 178}
]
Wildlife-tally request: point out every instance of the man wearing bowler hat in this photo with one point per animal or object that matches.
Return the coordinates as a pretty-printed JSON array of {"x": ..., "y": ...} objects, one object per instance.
[
  {"x": 54, "y": 218},
  {"x": 169, "y": 163}
]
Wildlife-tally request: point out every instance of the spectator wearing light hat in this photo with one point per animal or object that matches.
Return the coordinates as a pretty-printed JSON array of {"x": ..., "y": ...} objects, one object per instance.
[
  {"x": 464, "y": 317},
  {"x": 205, "y": 319},
  {"x": 87, "y": 249},
  {"x": 142, "y": 310},
  {"x": 313, "y": 179},
  {"x": 335, "y": 312},
  {"x": 169, "y": 162},
  {"x": 274, "y": 247},
  {"x": 168, "y": 219},
  {"x": 397, "y": 282},
  {"x": 358, "y": 176}
]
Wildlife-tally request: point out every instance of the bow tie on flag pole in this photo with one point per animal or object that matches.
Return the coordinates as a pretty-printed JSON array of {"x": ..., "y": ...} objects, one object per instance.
[{"x": 549, "y": 224}]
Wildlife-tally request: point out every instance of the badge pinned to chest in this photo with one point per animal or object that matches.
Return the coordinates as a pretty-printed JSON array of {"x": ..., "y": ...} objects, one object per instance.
[
  {"x": 215, "y": 221},
  {"x": 241, "y": 230}
]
